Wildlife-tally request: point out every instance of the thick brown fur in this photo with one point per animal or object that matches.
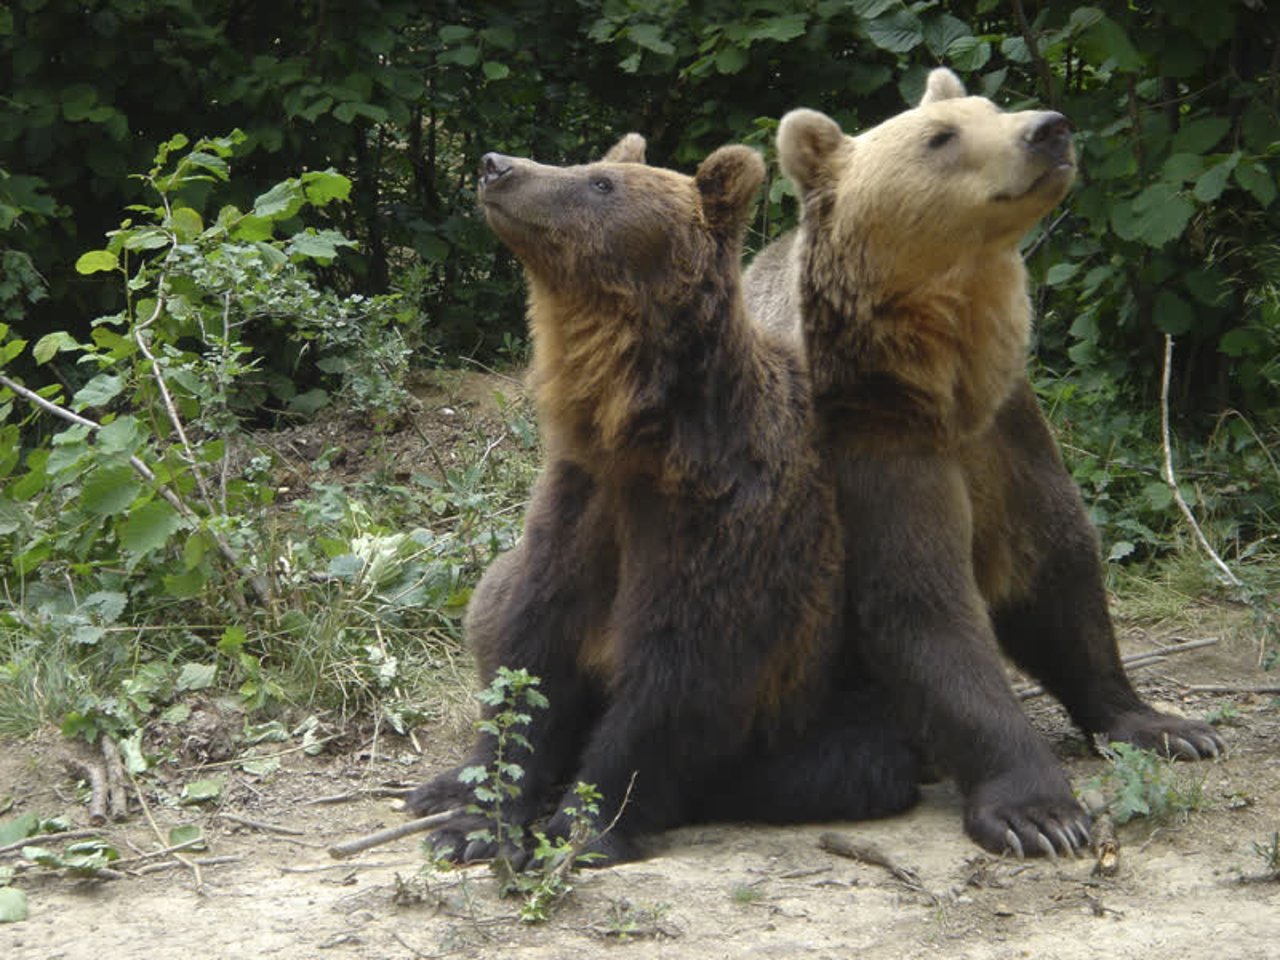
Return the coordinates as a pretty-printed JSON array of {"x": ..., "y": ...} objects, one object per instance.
[
  {"x": 677, "y": 586},
  {"x": 906, "y": 287}
]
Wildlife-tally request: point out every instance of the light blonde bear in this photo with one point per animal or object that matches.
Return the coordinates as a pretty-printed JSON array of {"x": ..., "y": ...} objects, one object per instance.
[{"x": 905, "y": 284}]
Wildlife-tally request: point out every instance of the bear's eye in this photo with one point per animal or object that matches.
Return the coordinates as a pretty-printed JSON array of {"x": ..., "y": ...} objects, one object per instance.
[
  {"x": 941, "y": 139},
  {"x": 602, "y": 185}
]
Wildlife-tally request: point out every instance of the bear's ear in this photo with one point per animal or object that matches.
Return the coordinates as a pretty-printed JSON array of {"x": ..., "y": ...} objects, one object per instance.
[
  {"x": 630, "y": 149},
  {"x": 807, "y": 142},
  {"x": 728, "y": 181},
  {"x": 942, "y": 85}
]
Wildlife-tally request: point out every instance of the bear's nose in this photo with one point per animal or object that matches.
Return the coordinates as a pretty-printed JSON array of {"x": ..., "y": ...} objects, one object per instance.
[
  {"x": 493, "y": 166},
  {"x": 1050, "y": 134}
]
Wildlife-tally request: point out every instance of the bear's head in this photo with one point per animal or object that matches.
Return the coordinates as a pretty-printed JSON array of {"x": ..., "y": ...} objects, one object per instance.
[
  {"x": 634, "y": 283},
  {"x": 618, "y": 229},
  {"x": 954, "y": 178}
]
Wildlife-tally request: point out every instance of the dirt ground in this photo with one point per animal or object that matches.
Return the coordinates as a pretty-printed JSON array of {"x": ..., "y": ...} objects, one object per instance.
[
  {"x": 1189, "y": 888},
  {"x": 1185, "y": 889}
]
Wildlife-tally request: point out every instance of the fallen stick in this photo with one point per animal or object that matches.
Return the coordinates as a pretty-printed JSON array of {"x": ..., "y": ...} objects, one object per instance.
[
  {"x": 349, "y": 848},
  {"x": 117, "y": 795},
  {"x": 1102, "y": 833},
  {"x": 1134, "y": 661},
  {"x": 362, "y": 792},
  {"x": 869, "y": 853},
  {"x": 40, "y": 838},
  {"x": 97, "y": 779},
  {"x": 264, "y": 827},
  {"x": 166, "y": 852},
  {"x": 1264, "y": 688}
]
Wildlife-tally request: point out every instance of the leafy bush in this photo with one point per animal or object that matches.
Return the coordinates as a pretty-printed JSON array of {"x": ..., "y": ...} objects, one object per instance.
[{"x": 141, "y": 541}]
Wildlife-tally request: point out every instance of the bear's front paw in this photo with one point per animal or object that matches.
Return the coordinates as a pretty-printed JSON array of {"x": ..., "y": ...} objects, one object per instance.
[
  {"x": 1027, "y": 815},
  {"x": 602, "y": 850},
  {"x": 441, "y": 793},
  {"x": 456, "y": 841},
  {"x": 1170, "y": 736}
]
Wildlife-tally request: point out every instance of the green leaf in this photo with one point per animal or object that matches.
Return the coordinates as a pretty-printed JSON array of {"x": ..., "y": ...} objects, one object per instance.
[
  {"x": 898, "y": 32},
  {"x": 452, "y": 33},
  {"x": 13, "y": 905},
  {"x": 95, "y": 261},
  {"x": 324, "y": 186},
  {"x": 185, "y": 224},
  {"x": 316, "y": 244},
  {"x": 202, "y": 791},
  {"x": 196, "y": 676},
  {"x": 280, "y": 202},
  {"x": 1156, "y": 216},
  {"x": 1200, "y": 135},
  {"x": 1242, "y": 342},
  {"x": 1257, "y": 179},
  {"x": 731, "y": 60},
  {"x": 1061, "y": 273},
  {"x": 149, "y": 527},
  {"x": 870, "y": 9},
  {"x": 110, "y": 491},
  {"x": 1210, "y": 186},
  {"x": 185, "y": 833},
  {"x": 53, "y": 343},
  {"x": 1172, "y": 314},
  {"x": 260, "y": 766},
  {"x": 18, "y": 828},
  {"x": 184, "y": 585},
  {"x": 494, "y": 70},
  {"x": 232, "y": 640},
  {"x": 942, "y": 31},
  {"x": 649, "y": 36},
  {"x": 780, "y": 29},
  {"x": 969, "y": 54},
  {"x": 1181, "y": 167},
  {"x": 250, "y": 227},
  {"x": 98, "y": 392},
  {"x": 121, "y": 435},
  {"x": 1105, "y": 42}
]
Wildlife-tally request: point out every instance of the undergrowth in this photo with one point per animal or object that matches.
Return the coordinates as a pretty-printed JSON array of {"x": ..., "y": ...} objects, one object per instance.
[{"x": 155, "y": 543}]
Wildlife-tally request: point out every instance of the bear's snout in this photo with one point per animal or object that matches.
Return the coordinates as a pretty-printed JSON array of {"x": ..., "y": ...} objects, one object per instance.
[
  {"x": 1050, "y": 135},
  {"x": 493, "y": 167}
]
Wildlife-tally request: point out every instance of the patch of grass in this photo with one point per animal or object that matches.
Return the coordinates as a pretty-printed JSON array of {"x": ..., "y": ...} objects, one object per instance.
[
  {"x": 1268, "y": 851},
  {"x": 744, "y": 894}
]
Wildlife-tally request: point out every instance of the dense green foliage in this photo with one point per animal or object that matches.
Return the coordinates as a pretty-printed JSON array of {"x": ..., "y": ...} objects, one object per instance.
[{"x": 345, "y": 248}]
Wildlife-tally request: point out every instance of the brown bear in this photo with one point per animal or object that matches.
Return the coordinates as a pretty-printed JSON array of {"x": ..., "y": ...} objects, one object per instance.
[
  {"x": 962, "y": 527},
  {"x": 677, "y": 584}
]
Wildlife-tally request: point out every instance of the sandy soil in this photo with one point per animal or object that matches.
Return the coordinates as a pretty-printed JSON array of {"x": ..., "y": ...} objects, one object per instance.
[{"x": 1186, "y": 889}]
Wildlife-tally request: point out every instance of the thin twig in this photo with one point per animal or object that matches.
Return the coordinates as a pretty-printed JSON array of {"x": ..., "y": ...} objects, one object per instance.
[
  {"x": 166, "y": 852},
  {"x": 155, "y": 828},
  {"x": 869, "y": 853},
  {"x": 325, "y": 867},
  {"x": 349, "y": 848},
  {"x": 1264, "y": 688},
  {"x": 358, "y": 794},
  {"x": 263, "y": 756},
  {"x": 260, "y": 825},
  {"x": 1033, "y": 51},
  {"x": 61, "y": 836},
  {"x": 1169, "y": 477}
]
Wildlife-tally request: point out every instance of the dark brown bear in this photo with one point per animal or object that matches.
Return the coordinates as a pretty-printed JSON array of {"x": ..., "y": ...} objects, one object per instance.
[
  {"x": 676, "y": 586},
  {"x": 905, "y": 283}
]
